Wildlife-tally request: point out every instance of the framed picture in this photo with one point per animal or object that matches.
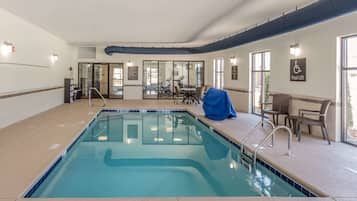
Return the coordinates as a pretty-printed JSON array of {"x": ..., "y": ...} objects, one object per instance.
[
  {"x": 234, "y": 72},
  {"x": 298, "y": 70},
  {"x": 133, "y": 73}
]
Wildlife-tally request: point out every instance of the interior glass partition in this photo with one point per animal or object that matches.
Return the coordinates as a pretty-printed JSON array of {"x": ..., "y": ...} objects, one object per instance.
[
  {"x": 181, "y": 74},
  {"x": 160, "y": 77},
  {"x": 165, "y": 79},
  {"x": 150, "y": 79}
]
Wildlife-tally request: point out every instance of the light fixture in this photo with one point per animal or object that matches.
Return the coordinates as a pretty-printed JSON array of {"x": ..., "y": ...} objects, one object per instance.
[
  {"x": 129, "y": 63},
  {"x": 169, "y": 130},
  {"x": 7, "y": 48},
  {"x": 54, "y": 58},
  {"x": 158, "y": 139},
  {"x": 233, "y": 60},
  {"x": 295, "y": 49},
  {"x": 102, "y": 138},
  {"x": 177, "y": 139},
  {"x": 153, "y": 129},
  {"x": 233, "y": 165}
]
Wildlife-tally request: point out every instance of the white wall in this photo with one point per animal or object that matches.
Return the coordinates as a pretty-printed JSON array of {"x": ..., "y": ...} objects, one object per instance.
[
  {"x": 318, "y": 44},
  {"x": 29, "y": 68}
]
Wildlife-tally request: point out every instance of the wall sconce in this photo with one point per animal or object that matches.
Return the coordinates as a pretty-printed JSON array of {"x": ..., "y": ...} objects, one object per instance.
[
  {"x": 295, "y": 49},
  {"x": 233, "y": 60},
  {"x": 129, "y": 63},
  {"x": 54, "y": 58},
  {"x": 7, "y": 48}
]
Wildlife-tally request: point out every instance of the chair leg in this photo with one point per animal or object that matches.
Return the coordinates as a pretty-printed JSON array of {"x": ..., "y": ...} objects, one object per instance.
[
  {"x": 326, "y": 135},
  {"x": 262, "y": 118},
  {"x": 277, "y": 119},
  {"x": 323, "y": 133},
  {"x": 298, "y": 131},
  {"x": 309, "y": 127}
]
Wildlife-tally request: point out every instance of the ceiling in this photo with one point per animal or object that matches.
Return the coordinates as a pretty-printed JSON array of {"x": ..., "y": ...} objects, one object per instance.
[{"x": 180, "y": 23}]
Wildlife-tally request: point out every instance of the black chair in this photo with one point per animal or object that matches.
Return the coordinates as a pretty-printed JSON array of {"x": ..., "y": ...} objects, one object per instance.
[
  {"x": 280, "y": 106},
  {"x": 319, "y": 121}
]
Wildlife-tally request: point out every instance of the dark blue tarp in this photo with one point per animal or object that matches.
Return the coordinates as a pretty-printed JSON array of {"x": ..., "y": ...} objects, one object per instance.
[{"x": 217, "y": 105}]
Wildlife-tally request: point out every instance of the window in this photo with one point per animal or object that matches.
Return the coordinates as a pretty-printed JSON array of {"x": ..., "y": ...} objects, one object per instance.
[
  {"x": 260, "y": 80},
  {"x": 349, "y": 89},
  {"x": 218, "y": 73}
]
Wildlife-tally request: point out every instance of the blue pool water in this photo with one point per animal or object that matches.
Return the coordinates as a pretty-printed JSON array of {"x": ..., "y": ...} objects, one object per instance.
[{"x": 155, "y": 154}]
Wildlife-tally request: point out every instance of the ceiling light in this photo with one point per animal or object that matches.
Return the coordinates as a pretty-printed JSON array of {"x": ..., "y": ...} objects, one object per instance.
[
  {"x": 153, "y": 129},
  {"x": 7, "y": 48},
  {"x": 295, "y": 49},
  {"x": 53, "y": 58}
]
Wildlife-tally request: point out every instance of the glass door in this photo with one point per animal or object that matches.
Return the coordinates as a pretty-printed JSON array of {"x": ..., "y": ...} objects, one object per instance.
[
  {"x": 101, "y": 78},
  {"x": 151, "y": 73},
  {"x": 85, "y": 75},
  {"x": 349, "y": 89},
  {"x": 116, "y": 80},
  {"x": 260, "y": 80}
]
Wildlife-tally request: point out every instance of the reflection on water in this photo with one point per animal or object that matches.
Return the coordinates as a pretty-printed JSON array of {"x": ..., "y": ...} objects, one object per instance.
[{"x": 156, "y": 155}]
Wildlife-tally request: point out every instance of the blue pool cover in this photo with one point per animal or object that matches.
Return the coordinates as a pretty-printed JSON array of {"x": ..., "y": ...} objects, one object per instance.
[{"x": 217, "y": 105}]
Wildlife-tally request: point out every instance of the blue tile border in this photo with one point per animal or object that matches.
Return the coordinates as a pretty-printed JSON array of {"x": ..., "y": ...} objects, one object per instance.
[
  {"x": 290, "y": 181},
  {"x": 42, "y": 179}
]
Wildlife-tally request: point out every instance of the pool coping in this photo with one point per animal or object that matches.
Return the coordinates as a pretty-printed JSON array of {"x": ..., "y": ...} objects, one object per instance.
[{"x": 301, "y": 186}]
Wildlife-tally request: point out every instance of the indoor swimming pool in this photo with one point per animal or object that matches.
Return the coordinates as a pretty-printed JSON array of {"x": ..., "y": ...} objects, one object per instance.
[{"x": 156, "y": 154}]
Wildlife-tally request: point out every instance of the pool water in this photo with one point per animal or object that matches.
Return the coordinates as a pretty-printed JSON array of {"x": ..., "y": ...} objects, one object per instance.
[{"x": 155, "y": 154}]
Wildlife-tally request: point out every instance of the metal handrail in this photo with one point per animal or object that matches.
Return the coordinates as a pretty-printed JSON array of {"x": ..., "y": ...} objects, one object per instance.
[
  {"x": 271, "y": 134},
  {"x": 249, "y": 134},
  {"x": 90, "y": 96}
]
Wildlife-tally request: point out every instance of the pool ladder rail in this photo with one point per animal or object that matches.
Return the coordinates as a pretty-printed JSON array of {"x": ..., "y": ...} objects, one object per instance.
[
  {"x": 248, "y": 158},
  {"x": 90, "y": 96}
]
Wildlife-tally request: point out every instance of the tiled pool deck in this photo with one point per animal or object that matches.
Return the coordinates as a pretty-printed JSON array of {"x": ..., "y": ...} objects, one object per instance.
[{"x": 28, "y": 148}]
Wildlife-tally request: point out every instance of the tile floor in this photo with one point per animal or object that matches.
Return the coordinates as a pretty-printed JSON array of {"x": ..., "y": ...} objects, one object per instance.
[{"x": 28, "y": 147}]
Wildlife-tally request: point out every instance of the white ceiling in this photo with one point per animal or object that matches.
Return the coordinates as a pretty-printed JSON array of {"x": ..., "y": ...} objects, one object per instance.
[{"x": 147, "y": 22}]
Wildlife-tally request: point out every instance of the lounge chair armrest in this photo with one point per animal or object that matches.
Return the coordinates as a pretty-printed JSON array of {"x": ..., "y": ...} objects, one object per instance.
[
  {"x": 312, "y": 112},
  {"x": 263, "y": 104},
  {"x": 267, "y": 103}
]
